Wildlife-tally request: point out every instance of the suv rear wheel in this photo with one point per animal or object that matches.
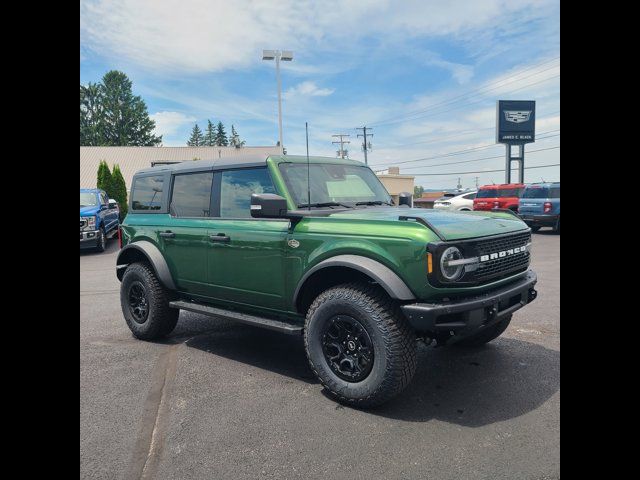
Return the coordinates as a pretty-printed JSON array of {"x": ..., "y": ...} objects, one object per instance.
[
  {"x": 145, "y": 303},
  {"x": 359, "y": 344}
]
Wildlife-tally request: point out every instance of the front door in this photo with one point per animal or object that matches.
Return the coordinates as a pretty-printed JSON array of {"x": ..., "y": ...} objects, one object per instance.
[{"x": 245, "y": 255}]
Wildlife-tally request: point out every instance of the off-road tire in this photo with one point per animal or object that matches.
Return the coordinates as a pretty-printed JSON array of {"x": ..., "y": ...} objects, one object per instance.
[
  {"x": 393, "y": 340},
  {"x": 101, "y": 241},
  {"x": 486, "y": 334},
  {"x": 161, "y": 319}
]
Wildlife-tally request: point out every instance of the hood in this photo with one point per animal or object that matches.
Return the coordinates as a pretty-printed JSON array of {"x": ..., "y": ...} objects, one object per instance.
[
  {"x": 89, "y": 210},
  {"x": 452, "y": 225}
]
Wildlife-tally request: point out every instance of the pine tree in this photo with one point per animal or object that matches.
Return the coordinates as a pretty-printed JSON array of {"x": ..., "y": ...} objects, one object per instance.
[
  {"x": 197, "y": 139},
  {"x": 91, "y": 114},
  {"x": 221, "y": 136},
  {"x": 124, "y": 119},
  {"x": 119, "y": 190},
  {"x": 105, "y": 180},
  {"x": 210, "y": 135},
  {"x": 234, "y": 139}
]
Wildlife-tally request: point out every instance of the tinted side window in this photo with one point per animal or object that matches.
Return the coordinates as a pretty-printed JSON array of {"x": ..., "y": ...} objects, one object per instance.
[
  {"x": 469, "y": 196},
  {"x": 236, "y": 187},
  {"x": 554, "y": 192},
  {"x": 147, "y": 193},
  {"x": 191, "y": 195},
  {"x": 103, "y": 199}
]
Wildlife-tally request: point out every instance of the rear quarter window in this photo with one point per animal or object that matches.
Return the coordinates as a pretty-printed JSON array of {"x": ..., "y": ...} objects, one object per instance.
[{"x": 147, "y": 194}]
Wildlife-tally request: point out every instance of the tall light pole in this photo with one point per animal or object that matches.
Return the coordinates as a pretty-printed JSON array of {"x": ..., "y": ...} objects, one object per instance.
[{"x": 285, "y": 56}]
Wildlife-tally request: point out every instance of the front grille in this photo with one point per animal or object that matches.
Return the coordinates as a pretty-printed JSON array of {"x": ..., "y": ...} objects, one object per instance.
[
  {"x": 83, "y": 223},
  {"x": 504, "y": 266}
]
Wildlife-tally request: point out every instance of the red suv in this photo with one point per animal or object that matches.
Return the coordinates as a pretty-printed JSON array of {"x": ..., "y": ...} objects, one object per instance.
[{"x": 505, "y": 196}]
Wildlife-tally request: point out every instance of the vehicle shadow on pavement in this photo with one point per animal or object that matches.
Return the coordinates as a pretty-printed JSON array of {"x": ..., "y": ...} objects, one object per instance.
[
  {"x": 474, "y": 387},
  {"x": 465, "y": 386},
  {"x": 273, "y": 351}
]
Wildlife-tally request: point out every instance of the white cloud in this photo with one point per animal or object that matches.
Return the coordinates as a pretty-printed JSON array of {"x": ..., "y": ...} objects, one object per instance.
[
  {"x": 460, "y": 72},
  {"x": 307, "y": 89},
  {"x": 168, "y": 123},
  {"x": 191, "y": 36}
]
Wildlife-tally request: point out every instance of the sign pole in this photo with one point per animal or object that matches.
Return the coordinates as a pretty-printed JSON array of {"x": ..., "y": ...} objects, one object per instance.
[
  {"x": 515, "y": 127},
  {"x": 507, "y": 168}
]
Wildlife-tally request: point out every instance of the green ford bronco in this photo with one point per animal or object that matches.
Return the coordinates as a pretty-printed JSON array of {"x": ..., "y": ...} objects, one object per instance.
[{"x": 319, "y": 249}]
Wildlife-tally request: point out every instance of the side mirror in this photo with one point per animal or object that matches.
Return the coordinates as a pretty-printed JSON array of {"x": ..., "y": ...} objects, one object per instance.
[
  {"x": 404, "y": 198},
  {"x": 268, "y": 205}
]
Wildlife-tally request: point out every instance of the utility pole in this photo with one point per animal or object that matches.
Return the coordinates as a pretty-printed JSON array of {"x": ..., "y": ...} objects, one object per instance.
[
  {"x": 366, "y": 146},
  {"x": 476, "y": 183},
  {"x": 342, "y": 153},
  {"x": 459, "y": 184}
]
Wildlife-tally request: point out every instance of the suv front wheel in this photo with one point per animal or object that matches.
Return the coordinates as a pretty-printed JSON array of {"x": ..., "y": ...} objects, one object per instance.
[
  {"x": 359, "y": 344},
  {"x": 145, "y": 303}
]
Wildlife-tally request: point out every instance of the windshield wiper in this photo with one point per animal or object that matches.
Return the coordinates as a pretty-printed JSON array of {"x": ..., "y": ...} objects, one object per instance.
[
  {"x": 324, "y": 204},
  {"x": 374, "y": 202}
]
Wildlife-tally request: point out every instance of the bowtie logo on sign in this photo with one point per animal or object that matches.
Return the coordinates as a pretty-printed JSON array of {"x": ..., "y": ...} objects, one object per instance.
[{"x": 515, "y": 116}]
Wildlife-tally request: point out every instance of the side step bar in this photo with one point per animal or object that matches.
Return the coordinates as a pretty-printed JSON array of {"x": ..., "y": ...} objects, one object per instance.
[{"x": 268, "y": 323}]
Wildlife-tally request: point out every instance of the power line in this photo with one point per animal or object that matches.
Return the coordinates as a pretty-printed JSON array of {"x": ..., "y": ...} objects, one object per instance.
[
  {"x": 430, "y": 114},
  {"x": 458, "y": 133},
  {"x": 483, "y": 171},
  {"x": 478, "y": 159},
  {"x": 448, "y": 100},
  {"x": 459, "y": 152},
  {"x": 470, "y": 93}
]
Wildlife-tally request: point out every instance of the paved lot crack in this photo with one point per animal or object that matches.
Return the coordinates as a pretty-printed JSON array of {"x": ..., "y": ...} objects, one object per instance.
[{"x": 151, "y": 436}]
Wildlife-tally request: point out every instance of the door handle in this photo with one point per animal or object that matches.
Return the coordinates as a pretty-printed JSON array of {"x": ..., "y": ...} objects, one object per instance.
[
  {"x": 167, "y": 234},
  {"x": 221, "y": 237}
]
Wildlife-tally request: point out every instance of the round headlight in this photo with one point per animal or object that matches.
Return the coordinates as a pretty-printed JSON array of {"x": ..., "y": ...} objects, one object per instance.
[{"x": 449, "y": 272}]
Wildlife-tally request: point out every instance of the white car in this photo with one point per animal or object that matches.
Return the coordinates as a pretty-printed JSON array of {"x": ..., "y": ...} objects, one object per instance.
[{"x": 462, "y": 202}]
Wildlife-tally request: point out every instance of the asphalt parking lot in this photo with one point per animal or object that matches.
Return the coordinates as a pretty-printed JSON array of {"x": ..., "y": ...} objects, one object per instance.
[{"x": 221, "y": 400}]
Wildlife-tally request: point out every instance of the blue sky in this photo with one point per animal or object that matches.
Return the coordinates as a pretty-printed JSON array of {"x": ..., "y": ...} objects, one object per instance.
[{"x": 424, "y": 75}]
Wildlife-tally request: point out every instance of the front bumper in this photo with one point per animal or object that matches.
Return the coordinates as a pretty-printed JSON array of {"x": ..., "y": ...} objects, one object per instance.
[
  {"x": 462, "y": 317},
  {"x": 548, "y": 220},
  {"x": 89, "y": 239}
]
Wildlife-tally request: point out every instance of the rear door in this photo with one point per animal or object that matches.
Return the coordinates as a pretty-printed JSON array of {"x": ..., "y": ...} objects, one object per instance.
[
  {"x": 183, "y": 238},
  {"x": 245, "y": 254}
]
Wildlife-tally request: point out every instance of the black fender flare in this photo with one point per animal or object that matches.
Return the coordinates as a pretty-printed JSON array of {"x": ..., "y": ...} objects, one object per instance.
[
  {"x": 383, "y": 275},
  {"x": 152, "y": 254}
]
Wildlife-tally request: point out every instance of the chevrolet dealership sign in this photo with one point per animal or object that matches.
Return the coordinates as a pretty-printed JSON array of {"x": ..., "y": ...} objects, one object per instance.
[{"x": 516, "y": 121}]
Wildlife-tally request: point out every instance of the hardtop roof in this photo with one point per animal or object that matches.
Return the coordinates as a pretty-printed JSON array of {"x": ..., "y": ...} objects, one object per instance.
[{"x": 242, "y": 162}]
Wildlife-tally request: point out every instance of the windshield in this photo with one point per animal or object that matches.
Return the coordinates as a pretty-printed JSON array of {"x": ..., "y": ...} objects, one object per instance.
[
  {"x": 88, "y": 199},
  {"x": 499, "y": 192},
  {"x": 541, "y": 192},
  {"x": 342, "y": 184}
]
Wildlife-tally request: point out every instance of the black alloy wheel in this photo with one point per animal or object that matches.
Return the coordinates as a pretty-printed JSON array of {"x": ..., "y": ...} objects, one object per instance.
[{"x": 347, "y": 348}]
